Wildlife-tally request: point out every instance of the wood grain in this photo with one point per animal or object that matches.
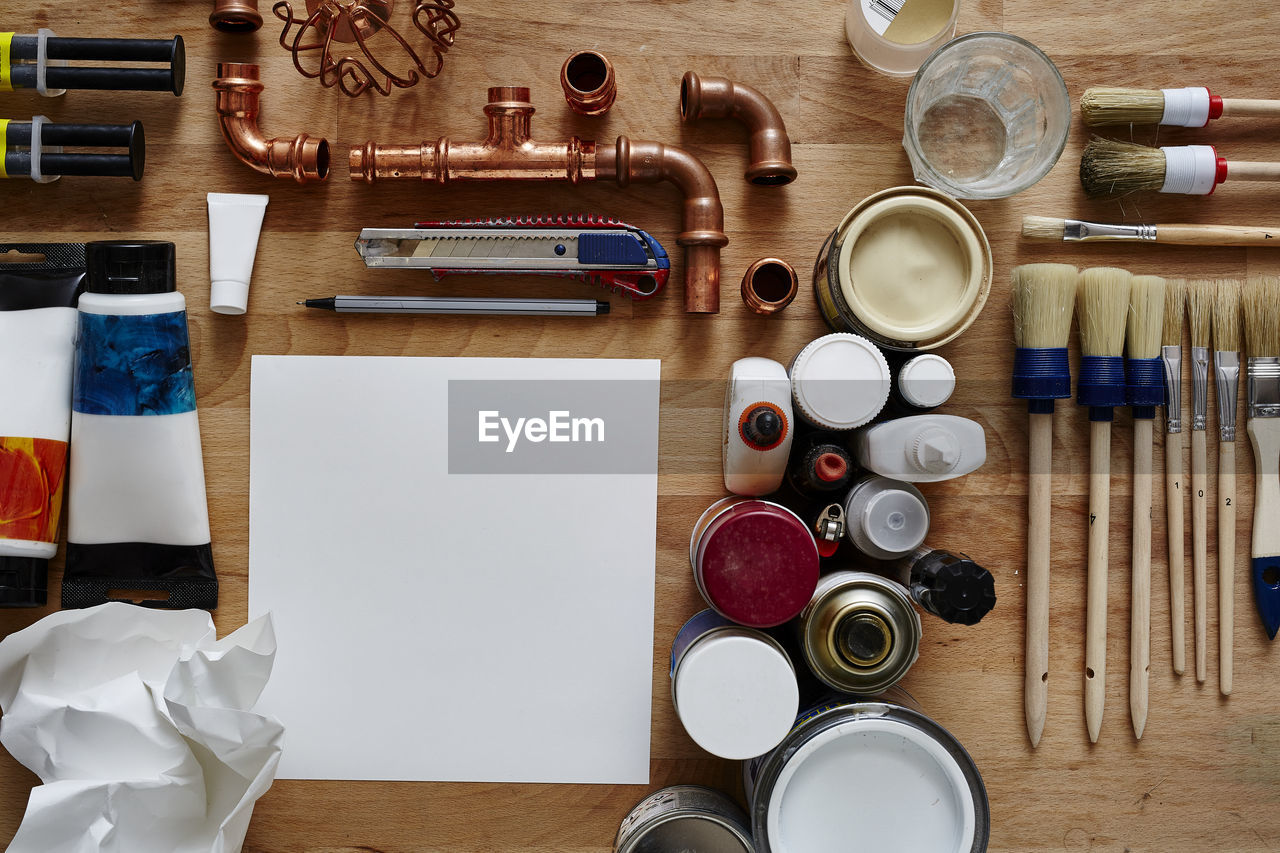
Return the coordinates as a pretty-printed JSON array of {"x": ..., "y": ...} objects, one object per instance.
[{"x": 1206, "y": 768}]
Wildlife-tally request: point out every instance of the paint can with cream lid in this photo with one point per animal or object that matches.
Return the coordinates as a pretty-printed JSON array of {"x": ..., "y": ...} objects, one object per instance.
[
  {"x": 685, "y": 818},
  {"x": 755, "y": 562},
  {"x": 859, "y": 633},
  {"x": 867, "y": 774},
  {"x": 909, "y": 268},
  {"x": 733, "y": 688},
  {"x": 839, "y": 382}
]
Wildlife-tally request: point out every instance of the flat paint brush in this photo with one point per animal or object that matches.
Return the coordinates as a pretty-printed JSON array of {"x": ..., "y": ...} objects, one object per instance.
[
  {"x": 1189, "y": 106},
  {"x": 1110, "y": 168},
  {"x": 1173, "y": 234},
  {"x": 1226, "y": 371},
  {"x": 1200, "y": 295},
  {"x": 1044, "y": 298},
  {"x": 1262, "y": 340},
  {"x": 1175, "y": 297},
  {"x": 1102, "y": 303},
  {"x": 1144, "y": 390}
]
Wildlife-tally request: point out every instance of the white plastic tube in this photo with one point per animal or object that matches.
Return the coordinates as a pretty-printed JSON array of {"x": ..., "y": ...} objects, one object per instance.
[{"x": 235, "y": 221}]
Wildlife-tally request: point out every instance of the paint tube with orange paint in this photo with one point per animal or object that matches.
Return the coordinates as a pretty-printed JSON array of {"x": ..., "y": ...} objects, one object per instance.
[{"x": 40, "y": 284}]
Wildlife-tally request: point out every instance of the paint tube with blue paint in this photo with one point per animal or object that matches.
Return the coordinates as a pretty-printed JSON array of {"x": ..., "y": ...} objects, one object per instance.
[
  {"x": 39, "y": 286},
  {"x": 138, "y": 521}
]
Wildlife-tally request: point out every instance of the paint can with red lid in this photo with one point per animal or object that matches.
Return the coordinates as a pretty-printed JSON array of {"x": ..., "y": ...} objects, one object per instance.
[{"x": 755, "y": 562}]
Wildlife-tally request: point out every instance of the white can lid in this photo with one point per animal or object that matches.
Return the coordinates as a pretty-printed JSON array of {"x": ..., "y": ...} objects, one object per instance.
[
  {"x": 840, "y": 381},
  {"x": 736, "y": 695},
  {"x": 927, "y": 381},
  {"x": 229, "y": 297}
]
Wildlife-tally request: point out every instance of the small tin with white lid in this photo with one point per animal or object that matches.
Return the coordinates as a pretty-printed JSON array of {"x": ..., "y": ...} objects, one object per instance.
[
  {"x": 885, "y": 519},
  {"x": 685, "y": 818},
  {"x": 839, "y": 381},
  {"x": 733, "y": 688},
  {"x": 925, "y": 382}
]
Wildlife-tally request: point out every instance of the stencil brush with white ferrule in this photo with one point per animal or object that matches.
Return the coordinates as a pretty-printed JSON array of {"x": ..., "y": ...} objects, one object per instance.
[
  {"x": 1044, "y": 298},
  {"x": 1103, "y": 304},
  {"x": 1144, "y": 390},
  {"x": 1200, "y": 296},
  {"x": 1175, "y": 307},
  {"x": 1110, "y": 168},
  {"x": 1189, "y": 106},
  {"x": 1226, "y": 371},
  {"x": 1262, "y": 341}
]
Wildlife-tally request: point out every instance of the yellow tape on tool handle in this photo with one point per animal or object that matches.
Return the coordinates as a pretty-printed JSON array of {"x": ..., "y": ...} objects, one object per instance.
[
  {"x": 6, "y": 62},
  {"x": 4, "y": 141}
]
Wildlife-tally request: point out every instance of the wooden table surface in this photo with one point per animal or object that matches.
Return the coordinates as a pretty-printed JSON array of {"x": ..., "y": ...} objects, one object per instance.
[{"x": 1206, "y": 775}]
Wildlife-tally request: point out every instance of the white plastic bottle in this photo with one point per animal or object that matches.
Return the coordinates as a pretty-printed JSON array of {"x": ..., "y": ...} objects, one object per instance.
[
  {"x": 922, "y": 448},
  {"x": 758, "y": 426}
]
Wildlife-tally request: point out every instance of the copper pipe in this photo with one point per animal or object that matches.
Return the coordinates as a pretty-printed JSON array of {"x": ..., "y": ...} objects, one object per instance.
[
  {"x": 509, "y": 153},
  {"x": 769, "y": 285},
  {"x": 719, "y": 97},
  {"x": 589, "y": 83},
  {"x": 303, "y": 158},
  {"x": 235, "y": 16}
]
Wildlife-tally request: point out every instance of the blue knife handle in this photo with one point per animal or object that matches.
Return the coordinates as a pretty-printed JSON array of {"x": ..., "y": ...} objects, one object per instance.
[{"x": 1266, "y": 592}]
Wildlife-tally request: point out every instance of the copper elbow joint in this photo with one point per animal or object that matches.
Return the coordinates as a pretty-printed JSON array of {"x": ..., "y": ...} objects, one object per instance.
[
  {"x": 303, "y": 158},
  {"x": 769, "y": 285},
  {"x": 235, "y": 16},
  {"x": 589, "y": 83},
  {"x": 719, "y": 97}
]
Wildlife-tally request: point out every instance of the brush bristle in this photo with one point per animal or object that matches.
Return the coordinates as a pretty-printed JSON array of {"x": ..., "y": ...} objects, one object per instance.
[
  {"x": 1044, "y": 297},
  {"x": 1200, "y": 293},
  {"x": 1103, "y": 307},
  {"x": 1175, "y": 308},
  {"x": 1043, "y": 227},
  {"x": 1109, "y": 168},
  {"x": 1101, "y": 105},
  {"x": 1146, "y": 316},
  {"x": 1226, "y": 316},
  {"x": 1262, "y": 316}
]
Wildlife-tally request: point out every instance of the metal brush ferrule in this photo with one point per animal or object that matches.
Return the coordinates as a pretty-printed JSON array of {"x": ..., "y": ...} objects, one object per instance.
[
  {"x": 1264, "y": 387},
  {"x": 1099, "y": 231},
  {"x": 1226, "y": 370},
  {"x": 1199, "y": 387},
  {"x": 1172, "y": 357}
]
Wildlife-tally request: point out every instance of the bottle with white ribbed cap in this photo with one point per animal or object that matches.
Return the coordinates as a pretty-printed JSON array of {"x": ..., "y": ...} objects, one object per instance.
[
  {"x": 922, "y": 384},
  {"x": 840, "y": 381}
]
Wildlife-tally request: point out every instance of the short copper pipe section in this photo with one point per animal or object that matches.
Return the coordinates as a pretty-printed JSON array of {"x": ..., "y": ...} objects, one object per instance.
[
  {"x": 589, "y": 83},
  {"x": 719, "y": 97},
  {"x": 235, "y": 16},
  {"x": 769, "y": 285},
  {"x": 509, "y": 153},
  {"x": 303, "y": 158}
]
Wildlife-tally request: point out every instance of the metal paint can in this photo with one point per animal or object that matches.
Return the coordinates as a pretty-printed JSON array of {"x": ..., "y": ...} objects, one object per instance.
[
  {"x": 685, "y": 818},
  {"x": 733, "y": 688},
  {"x": 859, "y": 633},
  {"x": 755, "y": 562},
  {"x": 867, "y": 774}
]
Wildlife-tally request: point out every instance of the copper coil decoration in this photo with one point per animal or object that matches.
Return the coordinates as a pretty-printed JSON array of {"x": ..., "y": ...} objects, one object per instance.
[{"x": 319, "y": 52}]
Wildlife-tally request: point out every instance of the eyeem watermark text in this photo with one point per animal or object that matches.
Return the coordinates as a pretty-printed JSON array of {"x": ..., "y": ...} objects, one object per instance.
[{"x": 559, "y": 426}]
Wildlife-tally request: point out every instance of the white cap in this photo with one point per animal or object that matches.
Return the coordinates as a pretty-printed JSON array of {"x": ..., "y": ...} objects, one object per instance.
[
  {"x": 840, "y": 381},
  {"x": 886, "y": 518},
  {"x": 926, "y": 381},
  {"x": 229, "y": 297},
  {"x": 936, "y": 451}
]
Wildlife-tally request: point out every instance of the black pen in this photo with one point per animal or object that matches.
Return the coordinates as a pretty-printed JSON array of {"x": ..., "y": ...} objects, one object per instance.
[{"x": 457, "y": 305}]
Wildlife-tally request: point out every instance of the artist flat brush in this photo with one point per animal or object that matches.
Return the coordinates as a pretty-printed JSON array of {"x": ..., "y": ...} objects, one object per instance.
[
  {"x": 1175, "y": 297},
  {"x": 1200, "y": 295},
  {"x": 1078, "y": 231},
  {"x": 1044, "y": 297},
  {"x": 1144, "y": 390},
  {"x": 1103, "y": 303},
  {"x": 1190, "y": 106},
  {"x": 1226, "y": 370},
  {"x": 1109, "y": 167},
  {"x": 1262, "y": 339}
]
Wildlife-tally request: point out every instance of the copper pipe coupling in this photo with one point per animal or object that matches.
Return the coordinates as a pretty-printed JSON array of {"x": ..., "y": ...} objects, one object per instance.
[
  {"x": 235, "y": 16},
  {"x": 589, "y": 83},
  {"x": 719, "y": 97},
  {"x": 769, "y": 285}
]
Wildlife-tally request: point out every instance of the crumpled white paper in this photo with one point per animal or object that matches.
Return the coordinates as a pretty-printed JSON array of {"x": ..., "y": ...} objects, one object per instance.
[{"x": 137, "y": 721}]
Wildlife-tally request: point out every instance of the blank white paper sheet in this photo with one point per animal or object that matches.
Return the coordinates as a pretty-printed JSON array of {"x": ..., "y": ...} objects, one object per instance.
[{"x": 451, "y": 606}]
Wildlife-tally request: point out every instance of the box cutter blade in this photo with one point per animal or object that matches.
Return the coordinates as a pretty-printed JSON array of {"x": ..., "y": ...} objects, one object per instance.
[{"x": 613, "y": 255}]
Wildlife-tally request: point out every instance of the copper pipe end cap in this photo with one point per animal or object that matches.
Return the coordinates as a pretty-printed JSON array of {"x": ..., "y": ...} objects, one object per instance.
[
  {"x": 590, "y": 86},
  {"x": 235, "y": 16},
  {"x": 769, "y": 285}
]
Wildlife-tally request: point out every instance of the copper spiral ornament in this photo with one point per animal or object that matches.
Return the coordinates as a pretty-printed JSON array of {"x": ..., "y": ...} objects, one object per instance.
[{"x": 325, "y": 43}]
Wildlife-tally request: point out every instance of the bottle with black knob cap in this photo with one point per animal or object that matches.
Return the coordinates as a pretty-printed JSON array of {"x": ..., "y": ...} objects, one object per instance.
[{"x": 950, "y": 586}]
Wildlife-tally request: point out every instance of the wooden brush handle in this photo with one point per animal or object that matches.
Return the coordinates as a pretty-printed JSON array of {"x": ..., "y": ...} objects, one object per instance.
[
  {"x": 1199, "y": 544},
  {"x": 1250, "y": 108},
  {"x": 1035, "y": 694},
  {"x": 1226, "y": 562},
  {"x": 1140, "y": 596},
  {"x": 1179, "y": 234},
  {"x": 1095, "y": 635},
  {"x": 1173, "y": 497},
  {"x": 1240, "y": 170},
  {"x": 1264, "y": 433}
]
